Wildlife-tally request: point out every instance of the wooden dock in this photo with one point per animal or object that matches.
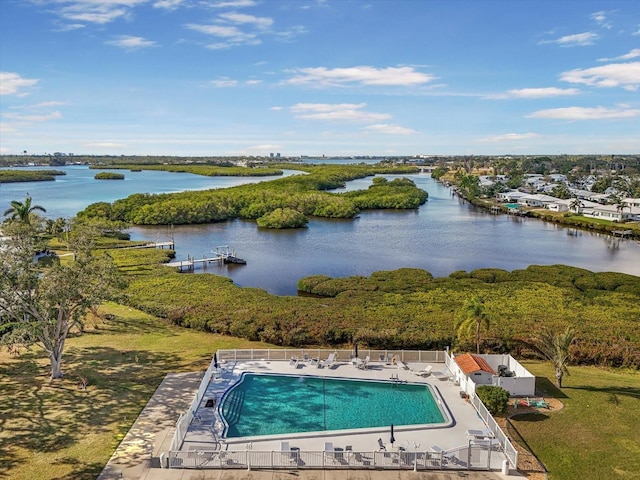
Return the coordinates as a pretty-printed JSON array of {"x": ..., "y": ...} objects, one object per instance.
[
  {"x": 190, "y": 263},
  {"x": 221, "y": 256},
  {"x": 622, "y": 233},
  {"x": 171, "y": 245}
]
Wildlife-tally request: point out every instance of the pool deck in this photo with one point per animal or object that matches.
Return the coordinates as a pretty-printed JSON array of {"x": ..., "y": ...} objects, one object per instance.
[
  {"x": 200, "y": 436},
  {"x": 136, "y": 456}
]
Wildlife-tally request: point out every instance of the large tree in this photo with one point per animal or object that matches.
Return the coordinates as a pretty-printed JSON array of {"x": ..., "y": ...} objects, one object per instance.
[
  {"x": 555, "y": 346},
  {"x": 22, "y": 210},
  {"x": 471, "y": 317},
  {"x": 42, "y": 306}
]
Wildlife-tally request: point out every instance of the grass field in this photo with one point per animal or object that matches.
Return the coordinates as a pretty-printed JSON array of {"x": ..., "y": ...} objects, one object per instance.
[
  {"x": 54, "y": 430},
  {"x": 596, "y": 434}
]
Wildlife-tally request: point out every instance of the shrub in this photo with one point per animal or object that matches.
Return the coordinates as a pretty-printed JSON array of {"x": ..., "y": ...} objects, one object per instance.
[
  {"x": 283, "y": 218},
  {"x": 494, "y": 398}
]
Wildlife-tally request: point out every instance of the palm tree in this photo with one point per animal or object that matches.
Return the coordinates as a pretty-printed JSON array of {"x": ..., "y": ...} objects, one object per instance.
[
  {"x": 555, "y": 347},
  {"x": 472, "y": 315},
  {"x": 22, "y": 211},
  {"x": 576, "y": 205}
]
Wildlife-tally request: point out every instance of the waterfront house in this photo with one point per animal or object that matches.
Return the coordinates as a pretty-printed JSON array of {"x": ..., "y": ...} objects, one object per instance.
[
  {"x": 510, "y": 196},
  {"x": 610, "y": 212},
  {"x": 538, "y": 200}
]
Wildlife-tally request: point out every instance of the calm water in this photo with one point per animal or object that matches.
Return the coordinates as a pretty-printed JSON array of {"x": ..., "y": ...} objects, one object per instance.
[
  {"x": 444, "y": 235},
  {"x": 262, "y": 405}
]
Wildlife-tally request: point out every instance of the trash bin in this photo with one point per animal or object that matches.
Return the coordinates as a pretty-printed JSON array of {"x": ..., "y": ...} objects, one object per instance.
[{"x": 505, "y": 467}]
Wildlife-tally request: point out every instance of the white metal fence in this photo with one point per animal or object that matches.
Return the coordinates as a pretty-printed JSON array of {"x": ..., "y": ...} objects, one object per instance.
[
  {"x": 182, "y": 425},
  {"x": 418, "y": 356},
  {"x": 464, "y": 458}
]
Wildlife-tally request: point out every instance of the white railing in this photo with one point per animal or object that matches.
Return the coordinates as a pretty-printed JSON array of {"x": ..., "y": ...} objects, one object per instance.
[
  {"x": 508, "y": 448},
  {"x": 463, "y": 458},
  {"x": 417, "y": 356},
  {"x": 182, "y": 425}
]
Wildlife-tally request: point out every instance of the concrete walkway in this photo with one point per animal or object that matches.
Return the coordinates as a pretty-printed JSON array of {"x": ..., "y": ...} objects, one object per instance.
[{"x": 136, "y": 458}]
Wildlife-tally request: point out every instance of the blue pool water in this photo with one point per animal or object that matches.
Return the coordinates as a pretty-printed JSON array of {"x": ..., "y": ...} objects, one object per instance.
[{"x": 280, "y": 404}]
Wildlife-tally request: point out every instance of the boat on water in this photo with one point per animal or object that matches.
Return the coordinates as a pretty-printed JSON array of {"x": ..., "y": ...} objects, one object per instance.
[
  {"x": 229, "y": 256},
  {"x": 234, "y": 259}
]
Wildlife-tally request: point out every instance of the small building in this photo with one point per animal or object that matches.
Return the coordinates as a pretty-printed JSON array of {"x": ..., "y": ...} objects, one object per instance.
[
  {"x": 538, "y": 200},
  {"x": 510, "y": 196},
  {"x": 471, "y": 370}
]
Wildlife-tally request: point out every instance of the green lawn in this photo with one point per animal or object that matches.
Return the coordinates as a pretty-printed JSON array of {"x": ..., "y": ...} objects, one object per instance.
[
  {"x": 54, "y": 430},
  {"x": 597, "y": 433}
]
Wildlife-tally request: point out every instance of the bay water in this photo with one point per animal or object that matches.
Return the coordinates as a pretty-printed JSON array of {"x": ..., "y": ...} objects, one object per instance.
[{"x": 444, "y": 235}]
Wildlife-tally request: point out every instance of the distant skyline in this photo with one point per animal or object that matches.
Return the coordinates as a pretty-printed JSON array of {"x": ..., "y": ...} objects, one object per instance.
[{"x": 319, "y": 77}]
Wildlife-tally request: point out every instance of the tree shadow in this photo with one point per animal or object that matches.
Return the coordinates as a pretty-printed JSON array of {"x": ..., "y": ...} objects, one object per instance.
[
  {"x": 43, "y": 416},
  {"x": 546, "y": 388},
  {"x": 613, "y": 391}
]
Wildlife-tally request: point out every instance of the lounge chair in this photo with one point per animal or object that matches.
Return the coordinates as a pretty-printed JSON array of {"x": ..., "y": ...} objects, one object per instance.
[
  {"x": 287, "y": 452},
  {"x": 365, "y": 363},
  {"x": 381, "y": 445},
  {"x": 294, "y": 362},
  {"x": 381, "y": 358},
  {"x": 329, "y": 451},
  {"x": 479, "y": 434},
  {"x": 446, "y": 457},
  {"x": 425, "y": 372},
  {"x": 305, "y": 357},
  {"x": 330, "y": 361},
  {"x": 314, "y": 362}
]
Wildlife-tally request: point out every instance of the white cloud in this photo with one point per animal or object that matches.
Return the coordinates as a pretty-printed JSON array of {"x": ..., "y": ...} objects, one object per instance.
[
  {"x": 627, "y": 56},
  {"x": 42, "y": 105},
  {"x": 575, "y": 40},
  {"x": 351, "y": 112},
  {"x": 584, "y": 113},
  {"x": 363, "y": 75},
  {"x": 253, "y": 82},
  {"x": 242, "y": 18},
  {"x": 168, "y": 4},
  {"x": 535, "y": 93},
  {"x": 389, "y": 129},
  {"x": 104, "y": 145},
  {"x": 509, "y": 137},
  {"x": 130, "y": 42},
  {"x": 216, "y": 30},
  {"x": 33, "y": 118},
  {"x": 232, "y": 4},
  {"x": 232, "y": 35},
  {"x": 11, "y": 82},
  {"x": 601, "y": 19},
  {"x": 625, "y": 75},
  {"x": 224, "y": 82}
]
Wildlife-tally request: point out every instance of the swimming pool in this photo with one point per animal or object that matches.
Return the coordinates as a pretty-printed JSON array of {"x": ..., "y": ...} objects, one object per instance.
[{"x": 281, "y": 404}]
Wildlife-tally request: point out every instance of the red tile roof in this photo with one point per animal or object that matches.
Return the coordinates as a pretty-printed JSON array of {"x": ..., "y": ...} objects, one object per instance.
[{"x": 472, "y": 363}]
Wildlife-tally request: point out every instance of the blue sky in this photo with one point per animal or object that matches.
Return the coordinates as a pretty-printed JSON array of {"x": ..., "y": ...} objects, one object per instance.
[{"x": 314, "y": 77}]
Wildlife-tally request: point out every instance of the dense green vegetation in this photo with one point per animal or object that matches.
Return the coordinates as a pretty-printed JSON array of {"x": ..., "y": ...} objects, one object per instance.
[
  {"x": 109, "y": 176},
  {"x": 283, "y": 218},
  {"x": 496, "y": 399},
  {"x": 9, "y": 176},
  {"x": 406, "y": 308},
  {"x": 206, "y": 170},
  {"x": 305, "y": 194}
]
